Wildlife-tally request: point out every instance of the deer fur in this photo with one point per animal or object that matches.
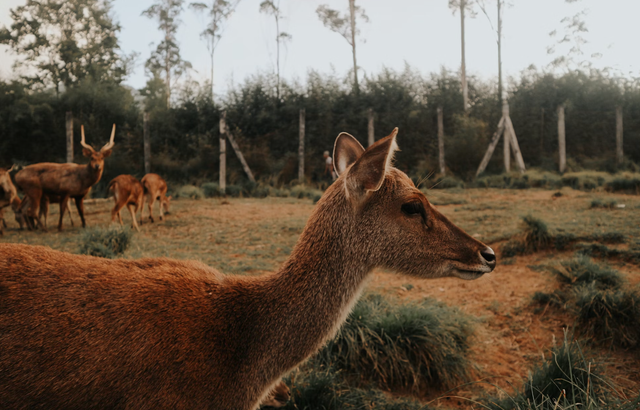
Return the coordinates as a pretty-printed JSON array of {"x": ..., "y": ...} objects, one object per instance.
[
  {"x": 63, "y": 180},
  {"x": 155, "y": 188},
  {"x": 126, "y": 190},
  {"x": 84, "y": 332}
]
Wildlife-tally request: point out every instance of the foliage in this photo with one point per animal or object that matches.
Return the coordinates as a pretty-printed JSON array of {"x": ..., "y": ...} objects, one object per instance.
[
  {"x": 105, "y": 242},
  {"x": 402, "y": 346},
  {"x": 190, "y": 191},
  {"x": 581, "y": 270}
]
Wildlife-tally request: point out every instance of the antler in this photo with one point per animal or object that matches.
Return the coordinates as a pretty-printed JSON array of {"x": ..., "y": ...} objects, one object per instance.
[
  {"x": 84, "y": 144},
  {"x": 110, "y": 144}
]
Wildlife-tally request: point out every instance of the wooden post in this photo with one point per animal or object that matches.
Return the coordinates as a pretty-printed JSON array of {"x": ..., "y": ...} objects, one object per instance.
[
  {"x": 146, "y": 143},
  {"x": 223, "y": 153},
  {"x": 236, "y": 148},
  {"x": 492, "y": 146},
  {"x": 619, "y": 150},
  {"x": 441, "y": 142},
  {"x": 69, "y": 124},
  {"x": 515, "y": 147},
  {"x": 301, "y": 148},
  {"x": 370, "y": 128},
  {"x": 506, "y": 152},
  {"x": 562, "y": 148}
]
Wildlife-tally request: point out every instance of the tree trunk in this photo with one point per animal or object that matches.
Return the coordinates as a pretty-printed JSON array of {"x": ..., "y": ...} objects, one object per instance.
[
  {"x": 441, "y": 142},
  {"x": 506, "y": 141},
  {"x": 277, "y": 56},
  {"x": 301, "y": 179},
  {"x": 223, "y": 153},
  {"x": 370, "y": 128},
  {"x": 562, "y": 149},
  {"x": 146, "y": 143},
  {"x": 352, "y": 12},
  {"x": 463, "y": 68},
  {"x": 500, "y": 91},
  {"x": 619, "y": 150},
  {"x": 69, "y": 125}
]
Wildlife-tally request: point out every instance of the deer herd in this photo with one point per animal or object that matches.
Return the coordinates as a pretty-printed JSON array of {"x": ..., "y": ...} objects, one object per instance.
[
  {"x": 80, "y": 332},
  {"x": 49, "y": 182}
]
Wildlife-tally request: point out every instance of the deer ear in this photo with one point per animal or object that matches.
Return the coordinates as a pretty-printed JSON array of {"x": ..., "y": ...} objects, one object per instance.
[
  {"x": 368, "y": 172},
  {"x": 86, "y": 152},
  {"x": 105, "y": 154},
  {"x": 346, "y": 151}
]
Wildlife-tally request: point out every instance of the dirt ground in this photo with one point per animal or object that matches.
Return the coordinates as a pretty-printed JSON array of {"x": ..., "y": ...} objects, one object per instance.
[{"x": 252, "y": 236}]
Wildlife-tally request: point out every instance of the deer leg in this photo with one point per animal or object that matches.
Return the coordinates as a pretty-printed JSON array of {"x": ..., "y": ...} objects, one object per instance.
[
  {"x": 151, "y": 201},
  {"x": 44, "y": 209},
  {"x": 34, "y": 207},
  {"x": 70, "y": 218},
  {"x": 133, "y": 216},
  {"x": 141, "y": 207},
  {"x": 80, "y": 207},
  {"x": 64, "y": 202},
  {"x": 116, "y": 210},
  {"x": 160, "y": 203}
]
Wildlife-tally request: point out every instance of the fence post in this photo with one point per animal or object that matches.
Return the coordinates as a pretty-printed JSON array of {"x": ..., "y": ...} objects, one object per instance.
[
  {"x": 506, "y": 153},
  {"x": 619, "y": 151},
  {"x": 301, "y": 148},
  {"x": 562, "y": 148},
  {"x": 223, "y": 153},
  {"x": 370, "y": 127},
  {"x": 146, "y": 143},
  {"x": 69, "y": 125},
  {"x": 441, "y": 142}
]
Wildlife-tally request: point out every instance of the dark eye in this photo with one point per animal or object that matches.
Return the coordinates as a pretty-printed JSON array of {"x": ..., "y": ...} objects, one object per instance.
[{"x": 413, "y": 208}]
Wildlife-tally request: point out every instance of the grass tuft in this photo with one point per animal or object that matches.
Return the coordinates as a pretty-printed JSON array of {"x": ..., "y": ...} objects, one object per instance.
[
  {"x": 190, "y": 191},
  {"x": 105, "y": 242},
  {"x": 402, "y": 346},
  {"x": 581, "y": 271}
]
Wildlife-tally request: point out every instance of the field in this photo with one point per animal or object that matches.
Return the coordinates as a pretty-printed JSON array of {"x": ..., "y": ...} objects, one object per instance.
[{"x": 249, "y": 236}]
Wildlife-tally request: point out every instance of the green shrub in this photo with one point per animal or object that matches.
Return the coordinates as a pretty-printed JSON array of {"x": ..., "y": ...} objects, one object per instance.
[
  {"x": 105, "y": 242},
  {"x": 190, "y": 191},
  {"x": 608, "y": 317},
  {"x": 447, "y": 182},
  {"x": 581, "y": 270},
  {"x": 625, "y": 183},
  {"x": 402, "y": 345},
  {"x": 211, "y": 189},
  {"x": 567, "y": 380},
  {"x": 234, "y": 191},
  {"x": 599, "y": 203},
  {"x": 596, "y": 249}
]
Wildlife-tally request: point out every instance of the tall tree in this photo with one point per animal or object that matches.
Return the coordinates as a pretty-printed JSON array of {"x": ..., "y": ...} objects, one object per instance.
[
  {"x": 166, "y": 57},
  {"x": 571, "y": 44},
  {"x": 63, "y": 41},
  {"x": 345, "y": 25},
  {"x": 269, "y": 7},
  {"x": 219, "y": 11},
  {"x": 463, "y": 6},
  {"x": 500, "y": 5}
]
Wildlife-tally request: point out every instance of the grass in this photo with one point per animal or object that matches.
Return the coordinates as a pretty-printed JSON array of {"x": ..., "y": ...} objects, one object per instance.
[
  {"x": 403, "y": 346},
  {"x": 567, "y": 380},
  {"x": 107, "y": 242},
  {"x": 190, "y": 192},
  {"x": 581, "y": 271}
]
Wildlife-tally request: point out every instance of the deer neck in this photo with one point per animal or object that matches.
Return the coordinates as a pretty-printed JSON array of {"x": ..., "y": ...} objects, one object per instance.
[{"x": 91, "y": 176}]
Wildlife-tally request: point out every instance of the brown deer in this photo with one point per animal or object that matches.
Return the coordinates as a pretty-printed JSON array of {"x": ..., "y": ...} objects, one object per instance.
[
  {"x": 278, "y": 397},
  {"x": 63, "y": 180},
  {"x": 8, "y": 197},
  {"x": 85, "y": 332},
  {"x": 45, "y": 201},
  {"x": 126, "y": 190},
  {"x": 155, "y": 188}
]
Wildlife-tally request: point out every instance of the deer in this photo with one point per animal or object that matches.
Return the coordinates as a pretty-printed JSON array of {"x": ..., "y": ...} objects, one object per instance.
[
  {"x": 171, "y": 334},
  {"x": 45, "y": 201},
  {"x": 126, "y": 190},
  {"x": 63, "y": 180},
  {"x": 155, "y": 188},
  {"x": 9, "y": 197}
]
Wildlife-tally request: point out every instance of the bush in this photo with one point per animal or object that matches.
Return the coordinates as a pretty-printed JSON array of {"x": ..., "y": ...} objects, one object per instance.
[
  {"x": 402, "y": 345},
  {"x": 190, "y": 191},
  {"x": 581, "y": 270},
  {"x": 234, "y": 191},
  {"x": 567, "y": 380},
  {"x": 211, "y": 189},
  {"x": 626, "y": 183},
  {"x": 105, "y": 242},
  {"x": 610, "y": 316},
  {"x": 447, "y": 182},
  {"x": 599, "y": 203}
]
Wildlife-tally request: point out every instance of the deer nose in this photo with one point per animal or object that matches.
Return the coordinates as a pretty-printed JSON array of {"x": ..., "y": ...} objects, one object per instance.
[{"x": 489, "y": 256}]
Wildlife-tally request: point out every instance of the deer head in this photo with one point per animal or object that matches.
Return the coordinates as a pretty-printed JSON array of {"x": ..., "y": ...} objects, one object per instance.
[
  {"x": 97, "y": 158},
  {"x": 397, "y": 228}
]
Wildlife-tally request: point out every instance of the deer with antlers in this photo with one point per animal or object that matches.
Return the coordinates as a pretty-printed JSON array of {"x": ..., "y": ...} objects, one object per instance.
[
  {"x": 85, "y": 332},
  {"x": 63, "y": 180}
]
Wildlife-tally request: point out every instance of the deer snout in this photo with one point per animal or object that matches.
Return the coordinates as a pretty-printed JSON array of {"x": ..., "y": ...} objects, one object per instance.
[{"x": 489, "y": 257}]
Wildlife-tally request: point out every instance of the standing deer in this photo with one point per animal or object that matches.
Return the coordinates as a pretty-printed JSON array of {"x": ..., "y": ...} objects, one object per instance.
[
  {"x": 63, "y": 180},
  {"x": 155, "y": 188},
  {"x": 84, "y": 332},
  {"x": 45, "y": 200},
  {"x": 8, "y": 197},
  {"x": 126, "y": 190}
]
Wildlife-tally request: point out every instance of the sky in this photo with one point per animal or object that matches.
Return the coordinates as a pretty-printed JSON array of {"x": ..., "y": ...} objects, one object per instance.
[{"x": 424, "y": 34}]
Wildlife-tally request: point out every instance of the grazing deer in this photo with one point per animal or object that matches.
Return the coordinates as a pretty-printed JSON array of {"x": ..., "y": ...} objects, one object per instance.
[
  {"x": 63, "y": 180},
  {"x": 45, "y": 200},
  {"x": 155, "y": 188},
  {"x": 126, "y": 190},
  {"x": 85, "y": 332},
  {"x": 8, "y": 197}
]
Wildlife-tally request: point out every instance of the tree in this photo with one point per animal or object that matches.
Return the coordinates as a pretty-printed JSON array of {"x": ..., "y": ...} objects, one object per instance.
[
  {"x": 219, "y": 11},
  {"x": 269, "y": 7},
  {"x": 500, "y": 4},
  {"x": 166, "y": 57},
  {"x": 571, "y": 43},
  {"x": 63, "y": 41},
  {"x": 345, "y": 25},
  {"x": 462, "y": 5}
]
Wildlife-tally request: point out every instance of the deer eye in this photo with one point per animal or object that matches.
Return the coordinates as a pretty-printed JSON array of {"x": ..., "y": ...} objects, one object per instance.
[{"x": 413, "y": 208}]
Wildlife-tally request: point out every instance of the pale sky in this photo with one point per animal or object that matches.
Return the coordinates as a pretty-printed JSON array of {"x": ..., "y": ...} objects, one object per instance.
[{"x": 423, "y": 33}]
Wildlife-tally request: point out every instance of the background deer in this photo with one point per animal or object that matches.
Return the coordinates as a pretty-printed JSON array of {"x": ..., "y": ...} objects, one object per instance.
[
  {"x": 45, "y": 201},
  {"x": 162, "y": 333},
  {"x": 63, "y": 180},
  {"x": 8, "y": 197},
  {"x": 126, "y": 190},
  {"x": 155, "y": 188}
]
